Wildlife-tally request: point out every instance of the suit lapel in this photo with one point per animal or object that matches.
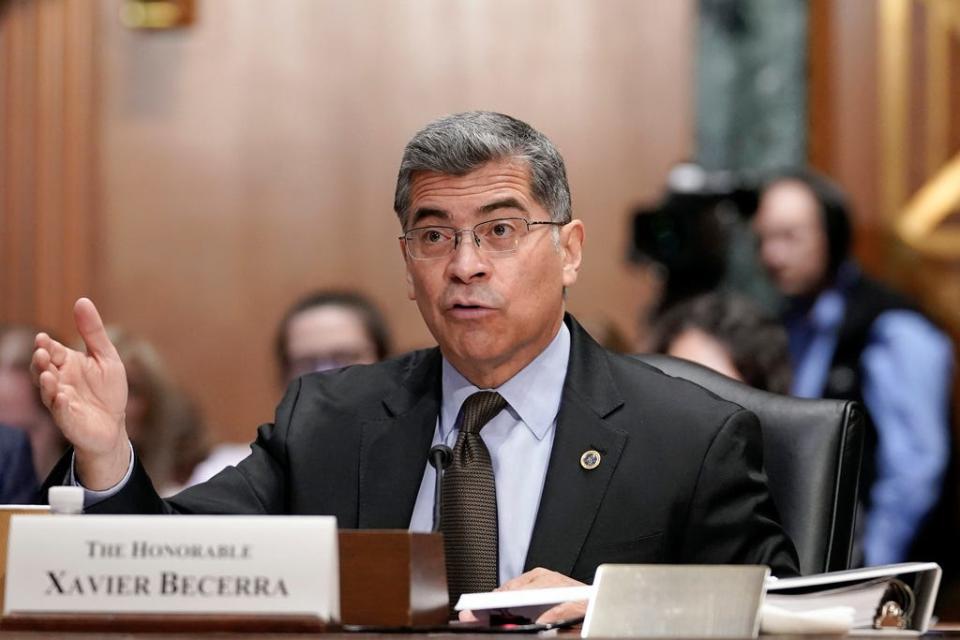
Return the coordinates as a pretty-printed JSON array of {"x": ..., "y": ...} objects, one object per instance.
[
  {"x": 393, "y": 450},
  {"x": 571, "y": 494}
]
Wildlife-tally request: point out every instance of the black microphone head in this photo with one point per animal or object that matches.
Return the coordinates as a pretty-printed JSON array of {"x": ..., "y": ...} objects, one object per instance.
[{"x": 440, "y": 455}]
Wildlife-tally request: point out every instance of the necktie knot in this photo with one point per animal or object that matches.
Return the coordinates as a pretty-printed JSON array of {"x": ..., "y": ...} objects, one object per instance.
[{"x": 479, "y": 409}]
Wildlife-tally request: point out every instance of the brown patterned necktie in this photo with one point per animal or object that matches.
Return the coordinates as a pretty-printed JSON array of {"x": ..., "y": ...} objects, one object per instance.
[{"x": 469, "y": 507}]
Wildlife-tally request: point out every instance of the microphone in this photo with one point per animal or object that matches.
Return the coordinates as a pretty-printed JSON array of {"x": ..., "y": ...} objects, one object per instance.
[{"x": 440, "y": 455}]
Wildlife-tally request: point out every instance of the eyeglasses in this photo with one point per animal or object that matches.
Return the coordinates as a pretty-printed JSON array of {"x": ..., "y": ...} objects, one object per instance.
[
  {"x": 500, "y": 236},
  {"x": 335, "y": 359}
]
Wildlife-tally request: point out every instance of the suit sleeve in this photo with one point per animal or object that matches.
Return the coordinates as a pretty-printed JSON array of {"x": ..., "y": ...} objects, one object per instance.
[
  {"x": 732, "y": 515},
  {"x": 256, "y": 486}
]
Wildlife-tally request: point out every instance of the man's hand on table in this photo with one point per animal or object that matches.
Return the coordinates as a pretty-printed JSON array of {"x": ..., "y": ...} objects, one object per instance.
[{"x": 540, "y": 578}]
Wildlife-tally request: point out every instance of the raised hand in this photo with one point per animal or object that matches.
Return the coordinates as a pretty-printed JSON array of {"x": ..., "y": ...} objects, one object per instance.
[{"x": 87, "y": 395}]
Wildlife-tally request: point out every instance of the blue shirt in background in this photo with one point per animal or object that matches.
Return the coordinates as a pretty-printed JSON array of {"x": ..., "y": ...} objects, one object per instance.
[{"x": 907, "y": 370}]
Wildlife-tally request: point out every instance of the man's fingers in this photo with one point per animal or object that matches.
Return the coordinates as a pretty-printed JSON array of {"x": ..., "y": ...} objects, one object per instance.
[
  {"x": 52, "y": 353},
  {"x": 58, "y": 353},
  {"x": 53, "y": 395},
  {"x": 467, "y": 616},
  {"x": 91, "y": 329},
  {"x": 49, "y": 387},
  {"x": 540, "y": 578},
  {"x": 519, "y": 582},
  {"x": 60, "y": 402},
  {"x": 537, "y": 577},
  {"x": 50, "y": 357},
  {"x": 565, "y": 611},
  {"x": 41, "y": 343},
  {"x": 39, "y": 363}
]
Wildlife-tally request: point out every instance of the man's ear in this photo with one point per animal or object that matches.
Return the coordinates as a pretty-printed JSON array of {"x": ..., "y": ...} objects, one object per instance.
[
  {"x": 409, "y": 276},
  {"x": 572, "y": 236}
]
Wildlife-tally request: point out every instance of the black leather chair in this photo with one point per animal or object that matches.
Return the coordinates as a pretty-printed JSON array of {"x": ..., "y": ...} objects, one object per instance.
[{"x": 812, "y": 451}]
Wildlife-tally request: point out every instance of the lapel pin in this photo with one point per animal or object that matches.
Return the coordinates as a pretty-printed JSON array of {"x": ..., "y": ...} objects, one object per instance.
[{"x": 590, "y": 459}]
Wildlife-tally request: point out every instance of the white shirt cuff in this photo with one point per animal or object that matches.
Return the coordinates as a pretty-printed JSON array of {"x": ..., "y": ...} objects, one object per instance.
[{"x": 91, "y": 497}]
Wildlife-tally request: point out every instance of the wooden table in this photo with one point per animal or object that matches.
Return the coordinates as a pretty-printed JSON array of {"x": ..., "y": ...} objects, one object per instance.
[{"x": 948, "y": 632}]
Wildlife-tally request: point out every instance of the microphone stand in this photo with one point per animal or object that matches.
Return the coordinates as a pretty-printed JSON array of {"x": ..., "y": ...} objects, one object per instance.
[{"x": 439, "y": 457}]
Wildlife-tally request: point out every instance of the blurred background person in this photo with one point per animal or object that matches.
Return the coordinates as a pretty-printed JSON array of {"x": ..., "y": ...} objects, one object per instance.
[
  {"x": 329, "y": 330},
  {"x": 729, "y": 334},
  {"x": 323, "y": 330},
  {"x": 163, "y": 422},
  {"x": 853, "y": 338},
  {"x": 20, "y": 404},
  {"x": 692, "y": 241},
  {"x": 18, "y": 480}
]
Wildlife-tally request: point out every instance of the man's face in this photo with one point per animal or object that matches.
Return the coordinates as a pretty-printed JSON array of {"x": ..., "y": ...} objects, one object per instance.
[
  {"x": 491, "y": 314},
  {"x": 327, "y": 337},
  {"x": 793, "y": 244}
]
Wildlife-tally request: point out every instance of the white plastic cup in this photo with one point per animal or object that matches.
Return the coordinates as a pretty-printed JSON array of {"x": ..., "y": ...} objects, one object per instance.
[{"x": 65, "y": 500}]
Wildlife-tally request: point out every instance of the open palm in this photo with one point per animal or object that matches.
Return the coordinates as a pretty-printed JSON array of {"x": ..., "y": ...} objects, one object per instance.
[{"x": 85, "y": 392}]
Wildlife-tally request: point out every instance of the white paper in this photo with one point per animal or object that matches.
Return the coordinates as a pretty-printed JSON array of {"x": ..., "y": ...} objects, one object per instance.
[
  {"x": 832, "y": 620},
  {"x": 528, "y": 603},
  {"x": 522, "y": 598},
  {"x": 850, "y": 575}
]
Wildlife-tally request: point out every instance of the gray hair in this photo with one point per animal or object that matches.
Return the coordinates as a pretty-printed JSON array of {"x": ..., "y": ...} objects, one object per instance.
[{"x": 460, "y": 143}]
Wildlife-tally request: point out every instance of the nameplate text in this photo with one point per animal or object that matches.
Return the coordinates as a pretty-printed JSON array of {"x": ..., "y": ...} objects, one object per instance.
[{"x": 178, "y": 564}]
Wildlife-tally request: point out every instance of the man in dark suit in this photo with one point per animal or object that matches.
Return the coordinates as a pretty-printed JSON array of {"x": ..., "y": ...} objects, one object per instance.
[
  {"x": 18, "y": 481},
  {"x": 584, "y": 457}
]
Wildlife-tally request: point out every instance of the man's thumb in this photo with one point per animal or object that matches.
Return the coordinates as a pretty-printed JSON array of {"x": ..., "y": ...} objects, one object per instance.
[{"x": 90, "y": 326}]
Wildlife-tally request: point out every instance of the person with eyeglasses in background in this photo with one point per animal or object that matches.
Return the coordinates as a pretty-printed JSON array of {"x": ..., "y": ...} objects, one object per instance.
[
  {"x": 327, "y": 330},
  {"x": 564, "y": 455},
  {"x": 321, "y": 331}
]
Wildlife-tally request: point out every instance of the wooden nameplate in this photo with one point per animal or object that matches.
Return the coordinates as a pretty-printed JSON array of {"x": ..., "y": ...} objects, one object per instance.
[{"x": 392, "y": 578}]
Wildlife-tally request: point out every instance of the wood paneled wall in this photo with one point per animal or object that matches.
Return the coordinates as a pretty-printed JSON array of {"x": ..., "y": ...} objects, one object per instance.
[
  {"x": 252, "y": 156},
  {"x": 48, "y": 161},
  {"x": 883, "y": 122},
  {"x": 844, "y": 118}
]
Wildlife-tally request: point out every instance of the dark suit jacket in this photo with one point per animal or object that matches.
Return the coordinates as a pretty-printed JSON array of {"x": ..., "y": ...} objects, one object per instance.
[
  {"x": 18, "y": 481},
  {"x": 681, "y": 478}
]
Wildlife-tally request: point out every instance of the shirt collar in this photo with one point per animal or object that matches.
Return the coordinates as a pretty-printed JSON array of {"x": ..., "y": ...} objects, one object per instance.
[
  {"x": 533, "y": 394},
  {"x": 826, "y": 313}
]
